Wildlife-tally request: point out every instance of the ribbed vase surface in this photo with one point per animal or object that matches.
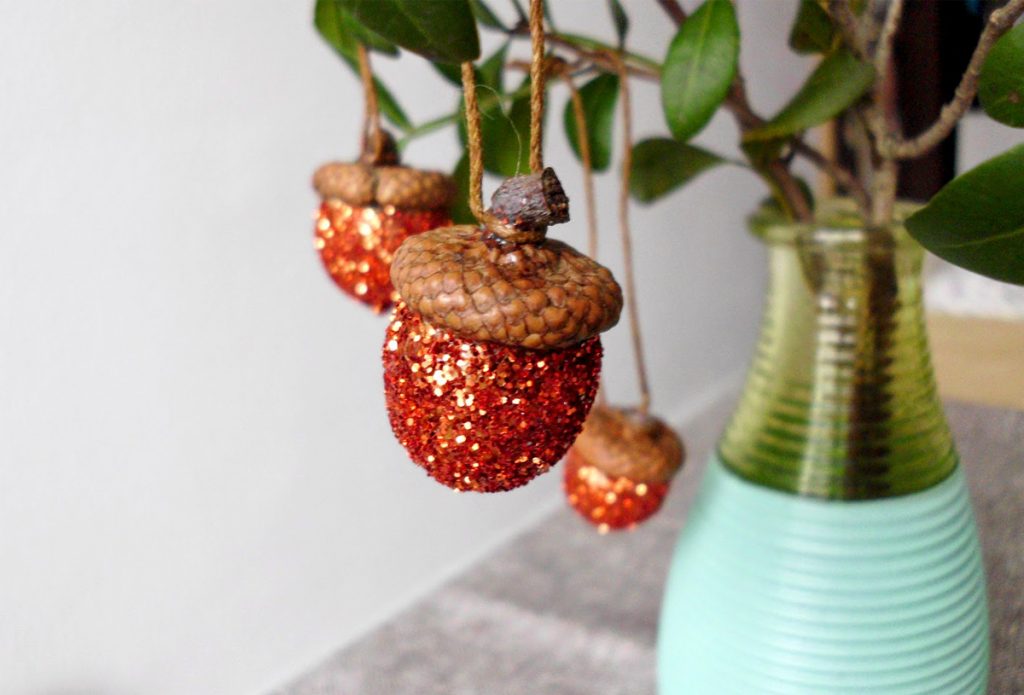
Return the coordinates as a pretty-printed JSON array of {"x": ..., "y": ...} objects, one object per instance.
[{"x": 832, "y": 549}]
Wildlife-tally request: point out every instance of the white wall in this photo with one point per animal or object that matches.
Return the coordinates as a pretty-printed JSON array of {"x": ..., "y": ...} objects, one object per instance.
[{"x": 199, "y": 492}]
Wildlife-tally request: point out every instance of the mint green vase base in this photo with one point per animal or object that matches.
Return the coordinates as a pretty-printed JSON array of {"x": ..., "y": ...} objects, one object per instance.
[{"x": 781, "y": 594}]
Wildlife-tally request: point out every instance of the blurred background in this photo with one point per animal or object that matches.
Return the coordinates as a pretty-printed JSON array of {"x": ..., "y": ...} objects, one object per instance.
[{"x": 199, "y": 489}]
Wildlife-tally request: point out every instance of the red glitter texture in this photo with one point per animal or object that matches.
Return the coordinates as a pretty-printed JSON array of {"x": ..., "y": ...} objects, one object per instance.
[
  {"x": 483, "y": 416},
  {"x": 357, "y": 244},
  {"x": 609, "y": 502}
]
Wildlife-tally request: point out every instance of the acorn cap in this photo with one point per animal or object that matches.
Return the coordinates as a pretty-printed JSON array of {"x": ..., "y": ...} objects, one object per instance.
[
  {"x": 622, "y": 442},
  {"x": 540, "y": 296},
  {"x": 364, "y": 184}
]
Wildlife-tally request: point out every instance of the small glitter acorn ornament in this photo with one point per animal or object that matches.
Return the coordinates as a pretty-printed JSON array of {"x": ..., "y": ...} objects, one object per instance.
[
  {"x": 492, "y": 360},
  {"x": 368, "y": 209},
  {"x": 618, "y": 471}
]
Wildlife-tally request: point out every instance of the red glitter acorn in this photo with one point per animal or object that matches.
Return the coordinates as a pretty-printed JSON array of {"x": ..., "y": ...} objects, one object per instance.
[
  {"x": 368, "y": 209},
  {"x": 618, "y": 471},
  {"x": 492, "y": 361}
]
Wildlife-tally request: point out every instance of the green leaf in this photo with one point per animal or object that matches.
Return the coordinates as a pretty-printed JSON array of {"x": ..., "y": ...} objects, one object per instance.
[
  {"x": 620, "y": 19},
  {"x": 461, "y": 213},
  {"x": 700, "y": 67},
  {"x": 837, "y": 83},
  {"x": 441, "y": 30},
  {"x": 591, "y": 44},
  {"x": 506, "y": 140},
  {"x": 485, "y": 16},
  {"x": 813, "y": 31},
  {"x": 661, "y": 165},
  {"x": 505, "y": 133},
  {"x": 977, "y": 220},
  {"x": 449, "y": 71},
  {"x": 599, "y": 97},
  {"x": 491, "y": 72},
  {"x": 341, "y": 30},
  {"x": 1001, "y": 83}
]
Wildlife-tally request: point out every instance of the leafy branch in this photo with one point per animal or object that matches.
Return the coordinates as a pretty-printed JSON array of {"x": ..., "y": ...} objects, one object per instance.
[
  {"x": 998, "y": 24},
  {"x": 700, "y": 74}
]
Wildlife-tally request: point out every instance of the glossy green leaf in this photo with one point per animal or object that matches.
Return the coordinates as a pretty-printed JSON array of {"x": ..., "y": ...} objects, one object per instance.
[
  {"x": 1001, "y": 83},
  {"x": 461, "y": 214},
  {"x": 486, "y": 16},
  {"x": 837, "y": 83},
  {"x": 341, "y": 30},
  {"x": 442, "y": 30},
  {"x": 591, "y": 44},
  {"x": 491, "y": 72},
  {"x": 599, "y": 97},
  {"x": 620, "y": 19},
  {"x": 507, "y": 140},
  {"x": 449, "y": 71},
  {"x": 977, "y": 220},
  {"x": 700, "y": 67},
  {"x": 505, "y": 131},
  {"x": 813, "y": 31},
  {"x": 661, "y": 165}
]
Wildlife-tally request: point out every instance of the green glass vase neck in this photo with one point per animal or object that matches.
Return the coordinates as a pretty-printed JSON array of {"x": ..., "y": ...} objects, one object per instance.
[{"x": 840, "y": 400}]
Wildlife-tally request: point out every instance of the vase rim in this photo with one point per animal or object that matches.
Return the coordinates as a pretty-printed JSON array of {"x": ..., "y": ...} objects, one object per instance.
[{"x": 836, "y": 220}]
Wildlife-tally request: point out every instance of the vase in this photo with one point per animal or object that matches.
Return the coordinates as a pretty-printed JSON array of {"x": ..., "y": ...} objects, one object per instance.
[{"x": 832, "y": 548}]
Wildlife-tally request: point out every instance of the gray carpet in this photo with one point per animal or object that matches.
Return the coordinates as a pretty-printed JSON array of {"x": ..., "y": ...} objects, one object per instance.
[{"x": 563, "y": 611}]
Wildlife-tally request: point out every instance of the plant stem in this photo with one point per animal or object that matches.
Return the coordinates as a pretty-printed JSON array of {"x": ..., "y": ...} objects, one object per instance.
[
  {"x": 674, "y": 10},
  {"x": 843, "y": 177},
  {"x": 794, "y": 199},
  {"x": 596, "y": 52},
  {"x": 998, "y": 24},
  {"x": 849, "y": 26}
]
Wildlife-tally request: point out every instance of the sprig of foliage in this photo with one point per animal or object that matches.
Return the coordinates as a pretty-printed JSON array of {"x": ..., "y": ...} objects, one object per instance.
[{"x": 975, "y": 221}]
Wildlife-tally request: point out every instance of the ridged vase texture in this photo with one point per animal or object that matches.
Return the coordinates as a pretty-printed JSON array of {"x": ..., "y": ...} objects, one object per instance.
[{"x": 832, "y": 549}]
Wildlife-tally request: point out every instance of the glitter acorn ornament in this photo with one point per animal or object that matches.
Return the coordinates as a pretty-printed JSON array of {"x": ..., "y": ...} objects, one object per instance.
[
  {"x": 618, "y": 471},
  {"x": 369, "y": 207},
  {"x": 492, "y": 360}
]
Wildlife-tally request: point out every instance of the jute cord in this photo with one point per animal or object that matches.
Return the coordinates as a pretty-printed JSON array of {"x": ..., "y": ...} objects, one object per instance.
[
  {"x": 373, "y": 136},
  {"x": 537, "y": 75},
  {"x": 627, "y": 237}
]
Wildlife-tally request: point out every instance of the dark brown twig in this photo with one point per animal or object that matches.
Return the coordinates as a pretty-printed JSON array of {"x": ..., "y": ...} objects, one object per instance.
[{"x": 998, "y": 24}]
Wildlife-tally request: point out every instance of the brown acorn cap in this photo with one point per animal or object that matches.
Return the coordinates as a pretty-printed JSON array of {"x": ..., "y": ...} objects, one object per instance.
[
  {"x": 622, "y": 442},
  {"x": 541, "y": 296},
  {"x": 364, "y": 184}
]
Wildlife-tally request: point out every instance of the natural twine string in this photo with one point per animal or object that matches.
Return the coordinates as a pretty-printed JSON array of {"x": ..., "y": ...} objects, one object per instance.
[
  {"x": 474, "y": 141},
  {"x": 373, "y": 135},
  {"x": 536, "y": 85},
  {"x": 627, "y": 240},
  {"x": 586, "y": 157}
]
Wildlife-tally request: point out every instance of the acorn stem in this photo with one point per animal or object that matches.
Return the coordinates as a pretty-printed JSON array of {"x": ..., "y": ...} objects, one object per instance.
[{"x": 528, "y": 204}]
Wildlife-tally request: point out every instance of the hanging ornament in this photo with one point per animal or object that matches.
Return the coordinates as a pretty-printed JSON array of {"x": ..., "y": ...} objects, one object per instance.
[
  {"x": 493, "y": 359},
  {"x": 618, "y": 471},
  {"x": 367, "y": 211},
  {"x": 369, "y": 207}
]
